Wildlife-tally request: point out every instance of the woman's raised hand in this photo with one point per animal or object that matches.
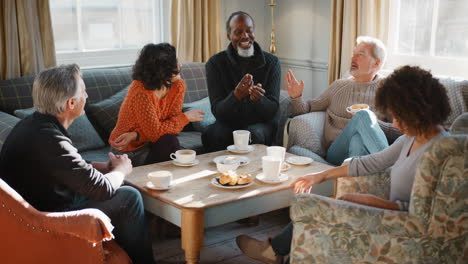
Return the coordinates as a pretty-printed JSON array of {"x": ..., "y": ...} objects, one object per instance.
[
  {"x": 195, "y": 115},
  {"x": 122, "y": 141},
  {"x": 305, "y": 183}
]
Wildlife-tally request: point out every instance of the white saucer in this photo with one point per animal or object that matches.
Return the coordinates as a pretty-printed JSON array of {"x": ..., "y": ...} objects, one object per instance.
[
  {"x": 195, "y": 162},
  {"x": 232, "y": 148},
  {"x": 285, "y": 167},
  {"x": 242, "y": 159},
  {"x": 299, "y": 160},
  {"x": 150, "y": 185},
  {"x": 215, "y": 182},
  {"x": 282, "y": 178}
]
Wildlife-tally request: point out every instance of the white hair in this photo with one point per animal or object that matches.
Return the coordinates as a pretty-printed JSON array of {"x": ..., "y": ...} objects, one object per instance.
[
  {"x": 378, "y": 48},
  {"x": 53, "y": 87},
  {"x": 246, "y": 52}
]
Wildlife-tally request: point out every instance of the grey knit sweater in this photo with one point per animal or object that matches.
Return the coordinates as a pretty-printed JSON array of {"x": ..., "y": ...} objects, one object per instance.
[{"x": 341, "y": 94}]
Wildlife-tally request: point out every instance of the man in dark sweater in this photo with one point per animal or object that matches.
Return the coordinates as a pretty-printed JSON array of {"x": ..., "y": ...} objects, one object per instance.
[
  {"x": 243, "y": 85},
  {"x": 39, "y": 161}
]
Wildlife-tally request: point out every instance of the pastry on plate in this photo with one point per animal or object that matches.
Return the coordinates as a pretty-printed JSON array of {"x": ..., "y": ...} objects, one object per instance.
[
  {"x": 244, "y": 178},
  {"x": 228, "y": 177}
]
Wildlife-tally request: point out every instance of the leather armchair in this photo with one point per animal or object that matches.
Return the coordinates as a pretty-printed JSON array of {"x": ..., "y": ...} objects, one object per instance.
[{"x": 31, "y": 236}]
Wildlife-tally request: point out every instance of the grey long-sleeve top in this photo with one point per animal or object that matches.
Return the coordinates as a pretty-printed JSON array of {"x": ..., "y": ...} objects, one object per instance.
[{"x": 403, "y": 167}]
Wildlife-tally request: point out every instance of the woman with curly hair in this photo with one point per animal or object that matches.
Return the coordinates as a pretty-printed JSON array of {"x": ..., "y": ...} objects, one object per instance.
[
  {"x": 419, "y": 106},
  {"x": 151, "y": 114}
]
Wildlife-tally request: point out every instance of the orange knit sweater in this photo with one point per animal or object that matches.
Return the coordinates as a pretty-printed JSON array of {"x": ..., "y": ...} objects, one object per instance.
[{"x": 142, "y": 111}]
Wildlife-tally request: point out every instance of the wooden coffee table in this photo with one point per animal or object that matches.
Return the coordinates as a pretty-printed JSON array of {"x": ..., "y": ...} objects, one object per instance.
[{"x": 195, "y": 204}]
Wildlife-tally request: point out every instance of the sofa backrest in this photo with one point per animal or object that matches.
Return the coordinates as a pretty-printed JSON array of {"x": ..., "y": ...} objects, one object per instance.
[
  {"x": 439, "y": 197},
  {"x": 101, "y": 83}
]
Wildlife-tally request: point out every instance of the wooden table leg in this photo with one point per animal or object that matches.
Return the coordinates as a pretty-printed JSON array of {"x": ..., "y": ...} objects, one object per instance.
[{"x": 192, "y": 234}]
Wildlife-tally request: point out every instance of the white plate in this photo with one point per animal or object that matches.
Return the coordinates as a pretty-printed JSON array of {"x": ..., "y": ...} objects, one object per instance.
[
  {"x": 215, "y": 182},
  {"x": 242, "y": 159},
  {"x": 282, "y": 178},
  {"x": 233, "y": 149},
  {"x": 195, "y": 162},
  {"x": 285, "y": 167},
  {"x": 150, "y": 185},
  {"x": 299, "y": 160}
]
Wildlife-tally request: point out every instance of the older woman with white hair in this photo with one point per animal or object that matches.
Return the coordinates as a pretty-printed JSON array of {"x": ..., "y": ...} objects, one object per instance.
[{"x": 349, "y": 134}]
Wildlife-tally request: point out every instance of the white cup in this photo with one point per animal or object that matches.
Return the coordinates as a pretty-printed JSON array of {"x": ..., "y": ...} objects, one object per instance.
[
  {"x": 184, "y": 156},
  {"x": 276, "y": 151},
  {"x": 356, "y": 107},
  {"x": 160, "y": 179},
  {"x": 241, "y": 139},
  {"x": 271, "y": 167}
]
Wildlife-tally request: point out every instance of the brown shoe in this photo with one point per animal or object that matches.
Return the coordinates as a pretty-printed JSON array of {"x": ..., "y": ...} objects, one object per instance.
[{"x": 258, "y": 250}]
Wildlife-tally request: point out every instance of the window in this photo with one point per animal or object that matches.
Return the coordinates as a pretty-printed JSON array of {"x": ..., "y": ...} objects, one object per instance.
[
  {"x": 430, "y": 33},
  {"x": 104, "y": 32}
]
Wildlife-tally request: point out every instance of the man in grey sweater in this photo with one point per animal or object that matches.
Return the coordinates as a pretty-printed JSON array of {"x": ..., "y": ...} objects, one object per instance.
[{"x": 344, "y": 133}]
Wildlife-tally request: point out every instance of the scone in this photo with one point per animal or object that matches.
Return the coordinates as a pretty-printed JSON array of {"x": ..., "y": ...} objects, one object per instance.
[
  {"x": 244, "y": 178},
  {"x": 228, "y": 177}
]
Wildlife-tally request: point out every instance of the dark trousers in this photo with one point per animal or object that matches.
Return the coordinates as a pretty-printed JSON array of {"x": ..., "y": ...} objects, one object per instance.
[
  {"x": 125, "y": 209},
  {"x": 281, "y": 243},
  {"x": 160, "y": 150},
  {"x": 218, "y": 136},
  {"x": 154, "y": 152}
]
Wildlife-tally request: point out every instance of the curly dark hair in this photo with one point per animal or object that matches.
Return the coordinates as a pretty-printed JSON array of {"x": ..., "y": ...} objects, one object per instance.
[
  {"x": 228, "y": 21},
  {"x": 414, "y": 97},
  {"x": 155, "y": 66}
]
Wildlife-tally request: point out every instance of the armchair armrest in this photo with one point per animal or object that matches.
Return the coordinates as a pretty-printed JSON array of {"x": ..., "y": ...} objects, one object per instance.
[
  {"x": 281, "y": 117},
  {"x": 376, "y": 184},
  {"x": 91, "y": 225},
  {"x": 307, "y": 131},
  {"x": 320, "y": 211}
]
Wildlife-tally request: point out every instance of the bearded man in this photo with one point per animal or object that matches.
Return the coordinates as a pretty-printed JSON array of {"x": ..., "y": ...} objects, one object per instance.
[{"x": 243, "y": 86}]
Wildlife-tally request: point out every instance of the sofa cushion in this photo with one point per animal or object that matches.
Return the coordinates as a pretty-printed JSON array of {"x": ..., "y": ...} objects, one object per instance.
[
  {"x": 195, "y": 78},
  {"x": 82, "y": 132},
  {"x": 191, "y": 140},
  {"x": 102, "y": 83},
  {"x": 105, "y": 113},
  {"x": 205, "y": 106},
  {"x": 7, "y": 122},
  {"x": 456, "y": 89}
]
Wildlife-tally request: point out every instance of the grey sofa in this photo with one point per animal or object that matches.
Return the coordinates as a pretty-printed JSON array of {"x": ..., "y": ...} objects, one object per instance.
[
  {"x": 106, "y": 88},
  {"x": 305, "y": 131}
]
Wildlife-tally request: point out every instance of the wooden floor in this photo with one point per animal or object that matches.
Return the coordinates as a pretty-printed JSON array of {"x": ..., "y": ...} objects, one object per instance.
[{"x": 220, "y": 242}]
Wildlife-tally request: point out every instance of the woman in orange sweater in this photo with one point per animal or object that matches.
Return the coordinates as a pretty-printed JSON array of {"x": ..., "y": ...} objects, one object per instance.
[{"x": 151, "y": 114}]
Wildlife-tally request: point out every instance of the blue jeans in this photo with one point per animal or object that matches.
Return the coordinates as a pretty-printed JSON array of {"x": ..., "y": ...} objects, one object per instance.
[
  {"x": 362, "y": 136},
  {"x": 125, "y": 209}
]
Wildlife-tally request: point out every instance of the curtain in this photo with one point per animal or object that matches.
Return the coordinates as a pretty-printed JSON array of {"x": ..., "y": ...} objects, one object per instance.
[
  {"x": 350, "y": 19},
  {"x": 195, "y": 29},
  {"x": 26, "y": 39}
]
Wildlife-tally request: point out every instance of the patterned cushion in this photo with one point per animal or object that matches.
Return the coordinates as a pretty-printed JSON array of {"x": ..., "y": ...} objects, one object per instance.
[
  {"x": 82, "y": 132},
  {"x": 7, "y": 122},
  {"x": 460, "y": 125},
  {"x": 16, "y": 94},
  {"x": 105, "y": 113},
  {"x": 102, "y": 83},
  {"x": 195, "y": 79},
  {"x": 456, "y": 88},
  {"x": 205, "y": 106}
]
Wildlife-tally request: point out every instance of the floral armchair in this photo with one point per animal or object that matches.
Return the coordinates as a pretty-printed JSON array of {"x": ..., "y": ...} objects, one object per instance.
[
  {"x": 434, "y": 230},
  {"x": 31, "y": 236}
]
